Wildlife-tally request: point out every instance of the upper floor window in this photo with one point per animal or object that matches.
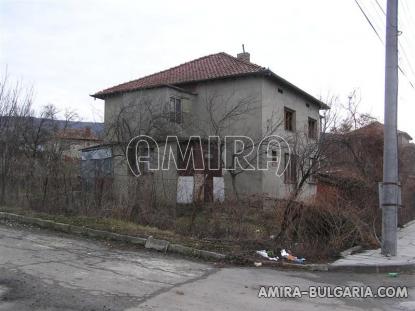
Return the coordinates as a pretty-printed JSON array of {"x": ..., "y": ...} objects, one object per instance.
[
  {"x": 289, "y": 119},
  {"x": 175, "y": 110},
  {"x": 312, "y": 128}
]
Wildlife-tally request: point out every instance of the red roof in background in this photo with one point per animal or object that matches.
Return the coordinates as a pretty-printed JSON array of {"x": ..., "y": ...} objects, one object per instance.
[
  {"x": 376, "y": 128},
  {"x": 77, "y": 134},
  {"x": 209, "y": 67}
]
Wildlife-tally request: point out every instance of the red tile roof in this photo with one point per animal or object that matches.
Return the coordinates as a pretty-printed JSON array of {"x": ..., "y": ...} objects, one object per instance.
[
  {"x": 77, "y": 134},
  {"x": 215, "y": 66},
  {"x": 376, "y": 128}
]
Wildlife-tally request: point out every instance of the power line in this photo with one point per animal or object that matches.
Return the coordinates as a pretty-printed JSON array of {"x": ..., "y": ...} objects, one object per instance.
[
  {"x": 407, "y": 25},
  {"x": 380, "y": 7},
  {"x": 403, "y": 53},
  {"x": 407, "y": 14},
  {"x": 402, "y": 50},
  {"x": 381, "y": 40},
  {"x": 379, "y": 17},
  {"x": 368, "y": 20}
]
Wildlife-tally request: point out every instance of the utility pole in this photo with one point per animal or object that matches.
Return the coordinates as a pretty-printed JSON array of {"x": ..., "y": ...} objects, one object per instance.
[{"x": 390, "y": 187}]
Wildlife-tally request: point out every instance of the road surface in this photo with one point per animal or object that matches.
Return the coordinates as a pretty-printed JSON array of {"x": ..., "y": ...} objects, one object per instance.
[{"x": 42, "y": 270}]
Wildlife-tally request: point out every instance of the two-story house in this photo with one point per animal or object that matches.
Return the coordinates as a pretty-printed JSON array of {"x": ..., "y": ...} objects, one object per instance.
[{"x": 216, "y": 95}]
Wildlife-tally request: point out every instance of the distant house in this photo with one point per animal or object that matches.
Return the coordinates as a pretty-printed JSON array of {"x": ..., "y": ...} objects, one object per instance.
[
  {"x": 356, "y": 166},
  {"x": 360, "y": 152},
  {"x": 201, "y": 97},
  {"x": 72, "y": 140}
]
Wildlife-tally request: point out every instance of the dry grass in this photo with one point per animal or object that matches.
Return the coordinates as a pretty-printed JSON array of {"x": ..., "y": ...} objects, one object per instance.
[{"x": 317, "y": 232}]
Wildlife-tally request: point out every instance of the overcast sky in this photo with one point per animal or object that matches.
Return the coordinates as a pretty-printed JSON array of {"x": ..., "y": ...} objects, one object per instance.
[{"x": 70, "y": 49}]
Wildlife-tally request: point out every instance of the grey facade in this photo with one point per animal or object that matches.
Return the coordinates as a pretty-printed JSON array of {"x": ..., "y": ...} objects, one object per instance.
[{"x": 203, "y": 105}]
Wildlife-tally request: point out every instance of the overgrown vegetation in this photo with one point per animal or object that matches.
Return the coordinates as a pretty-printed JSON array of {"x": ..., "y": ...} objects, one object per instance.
[{"x": 35, "y": 178}]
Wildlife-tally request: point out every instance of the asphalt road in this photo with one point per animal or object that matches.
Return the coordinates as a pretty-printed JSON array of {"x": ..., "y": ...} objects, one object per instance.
[{"x": 42, "y": 270}]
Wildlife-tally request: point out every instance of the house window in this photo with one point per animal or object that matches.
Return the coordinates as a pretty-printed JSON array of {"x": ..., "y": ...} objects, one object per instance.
[
  {"x": 289, "y": 119},
  {"x": 290, "y": 172},
  {"x": 312, "y": 128},
  {"x": 175, "y": 110},
  {"x": 280, "y": 91}
]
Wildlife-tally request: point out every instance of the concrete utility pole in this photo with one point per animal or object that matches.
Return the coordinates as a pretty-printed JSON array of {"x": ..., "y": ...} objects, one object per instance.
[{"x": 390, "y": 187}]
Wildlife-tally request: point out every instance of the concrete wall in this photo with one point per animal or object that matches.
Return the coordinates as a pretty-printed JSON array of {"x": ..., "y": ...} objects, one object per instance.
[
  {"x": 224, "y": 95},
  {"x": 134, "y": 107},
  {"x": 265, "y": 103},
  {"x": 273, "y": 103}
]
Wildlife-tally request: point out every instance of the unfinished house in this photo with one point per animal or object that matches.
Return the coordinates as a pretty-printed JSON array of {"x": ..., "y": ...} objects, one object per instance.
[
  {"x": 213, "y": 96},
  {"x": 355, "y": 167},
  {"x": 72, "y": 140}
]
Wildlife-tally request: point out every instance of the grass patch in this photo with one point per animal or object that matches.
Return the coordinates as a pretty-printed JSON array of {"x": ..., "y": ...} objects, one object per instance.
[{"x": 127, "y": 228}]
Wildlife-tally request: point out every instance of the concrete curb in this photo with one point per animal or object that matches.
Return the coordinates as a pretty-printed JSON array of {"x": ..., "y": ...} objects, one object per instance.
[
  {"x": 166, "y": 246},
  {"x": 150, "y": 242},
  {"x": 362, "y": 268},
  {"x": 404, "y": 267}
]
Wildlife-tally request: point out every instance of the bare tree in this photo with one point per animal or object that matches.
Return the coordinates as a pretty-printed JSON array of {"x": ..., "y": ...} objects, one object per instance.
[
  {"x": 140, "y": 116},
  {"x": 225, "y": 115},
  {"x": 353, "y": 118},
  {"x": 311, "y": 157},
  {"x": 30, "y": 149},
  {"x": 15, "y": 108}
]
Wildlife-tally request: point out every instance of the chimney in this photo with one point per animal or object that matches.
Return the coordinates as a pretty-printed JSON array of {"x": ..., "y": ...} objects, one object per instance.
[{"x": 244, "y": 56}]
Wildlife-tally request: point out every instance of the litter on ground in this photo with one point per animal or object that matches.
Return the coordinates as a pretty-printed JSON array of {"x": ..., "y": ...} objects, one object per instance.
[
  {"x": 264, "y": 254},
  {"x": 290, "y": 257}
]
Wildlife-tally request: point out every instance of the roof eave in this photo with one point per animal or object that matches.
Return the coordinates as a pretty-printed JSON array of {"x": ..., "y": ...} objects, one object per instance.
[
  {"x": 97, "y": 95},
  {"x": 409, "y": 137},
  {"x": 103, "y": 96},
  {"x": 264, "y": 72},
  {"x": 309, "y": 97}
]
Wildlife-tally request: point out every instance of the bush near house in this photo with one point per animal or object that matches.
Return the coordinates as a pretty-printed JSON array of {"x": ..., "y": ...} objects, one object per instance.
[
  {"x": 36, "y": 178},
  {"x": 316, "y": 231},
  {"x": 344, "y": 213}
]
